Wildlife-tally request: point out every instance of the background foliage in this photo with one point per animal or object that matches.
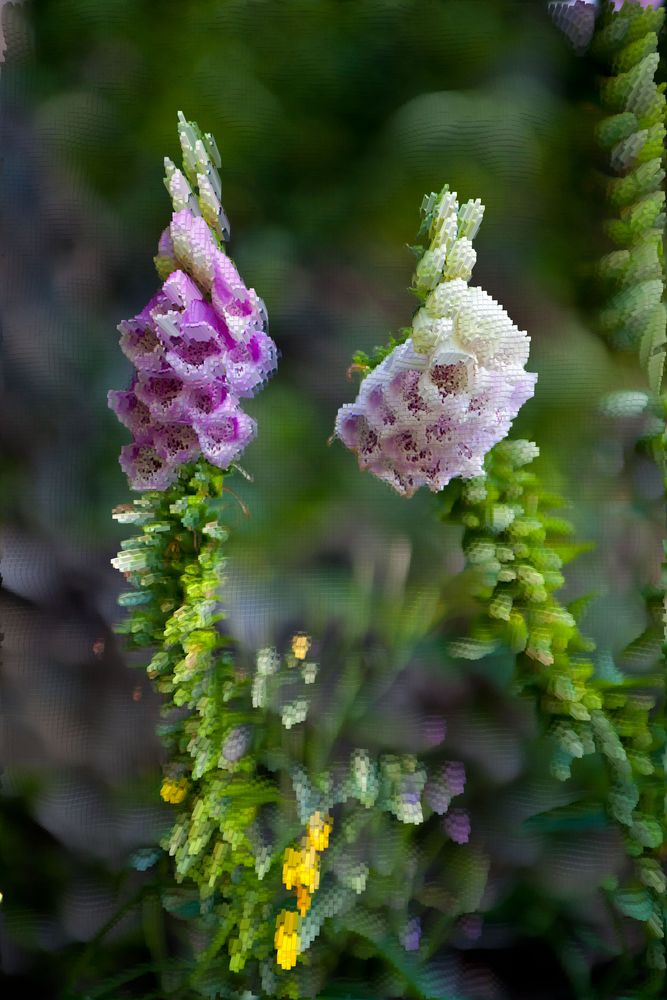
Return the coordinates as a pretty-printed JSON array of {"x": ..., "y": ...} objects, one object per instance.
[{"x": 332, "y": 118}]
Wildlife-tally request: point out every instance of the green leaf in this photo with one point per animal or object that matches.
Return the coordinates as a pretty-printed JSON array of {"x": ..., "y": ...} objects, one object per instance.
[
  {"x": 615, "y": 128},
  {"x": 471, "y": 649},
  {"x": 182, "y": 903},
  {"x": 579, "y": 606},
  {"x": 577, "y": 817},
  {"x": 656, "y": 368},
  {"x": 647, "y": 831},
  {"x": 145, "y": 858},
  {"x": 635, "y": 903}
]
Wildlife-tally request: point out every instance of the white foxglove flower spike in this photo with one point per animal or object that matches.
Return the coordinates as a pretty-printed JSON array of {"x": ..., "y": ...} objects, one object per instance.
[{"x": 433, "y": 408}]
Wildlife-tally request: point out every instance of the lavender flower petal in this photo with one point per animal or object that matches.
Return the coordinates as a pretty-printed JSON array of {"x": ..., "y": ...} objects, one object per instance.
[
  {"x": 197, "y": 346},
  {"x": 145, "y": 469}
]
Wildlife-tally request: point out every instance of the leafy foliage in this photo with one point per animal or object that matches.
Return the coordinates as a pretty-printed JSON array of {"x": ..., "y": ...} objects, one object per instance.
[
  {"x": 236, "y": 772},
  {"x": 176, "y": 565},
  {"x": 516, "y": 545},
  {"x": 632, "y": 135}
]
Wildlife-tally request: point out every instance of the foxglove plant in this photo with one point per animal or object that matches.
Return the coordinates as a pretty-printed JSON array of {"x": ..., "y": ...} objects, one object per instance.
[
  {"x": 632, "y": 133},
  {"x": 437, "y": 402},
  {"x": 200, "y": 345},
  {"x": 515, "y": 546},
  {"x": 276, "y": 905}
]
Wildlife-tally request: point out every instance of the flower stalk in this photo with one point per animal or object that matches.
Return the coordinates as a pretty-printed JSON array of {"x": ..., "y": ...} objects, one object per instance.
[{"x": 516, "y": 545}]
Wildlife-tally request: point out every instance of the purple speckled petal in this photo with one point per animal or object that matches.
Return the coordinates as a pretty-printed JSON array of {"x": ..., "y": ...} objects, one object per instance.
[
  {"x": 223, "y": 441},
  {"x": 350, "y": 422},
  {"x": 131, "y": 412},
  {"x": 227, "y": 284},
  {"x": 201, "y": 403},
  {"x": 161, "y": 394},
  {"x": 141, "y": 345},
  {"x": 158, "y": 303},
  {"x": 145, "y": 469},
  {"x": 176, "y": 443},
  {"x": 197, "y": 361},
  {"x": 249, "y": 365}
]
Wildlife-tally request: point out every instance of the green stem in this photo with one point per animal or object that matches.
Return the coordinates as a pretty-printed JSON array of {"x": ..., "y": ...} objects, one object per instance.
[
  {"x": 155, "y": 934},
  {"x": 329, "y": 730}
]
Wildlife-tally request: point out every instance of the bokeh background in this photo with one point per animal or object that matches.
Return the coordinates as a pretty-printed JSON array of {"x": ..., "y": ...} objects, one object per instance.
[{"x": 333, "y": 118}]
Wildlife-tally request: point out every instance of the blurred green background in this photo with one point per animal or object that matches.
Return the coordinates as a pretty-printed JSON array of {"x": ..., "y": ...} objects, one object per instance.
[{"x": 333, "y": 118}]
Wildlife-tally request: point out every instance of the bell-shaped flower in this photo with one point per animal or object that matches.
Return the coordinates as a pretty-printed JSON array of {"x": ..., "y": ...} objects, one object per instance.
[
  {"x": 200, "y": 344},
  {"x": 433, "y": 408}
]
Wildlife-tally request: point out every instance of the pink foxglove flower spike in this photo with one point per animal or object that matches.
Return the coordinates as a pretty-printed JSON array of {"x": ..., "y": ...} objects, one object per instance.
[
  {"x": 434, "y": 407},
  {"x": 200, "y": 345}
]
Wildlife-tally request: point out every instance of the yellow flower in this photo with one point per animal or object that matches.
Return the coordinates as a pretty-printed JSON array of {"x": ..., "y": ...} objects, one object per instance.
[
  {"x": 300, "y": 645},
  {"x": 319, "y": 829},
  {"x": 309, "y": 869},
  {"x": 286, "y": 939},
  {"x": 174, "y": 791},
  {"x": 301, "y": 871},
  {"x": 291, "y": 867},
  {"x": 301, "y": 867}
]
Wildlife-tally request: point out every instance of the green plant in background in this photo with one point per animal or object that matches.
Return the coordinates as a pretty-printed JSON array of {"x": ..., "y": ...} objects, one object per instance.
[
  {"x": 516, "y": 544},
  {"x": 631, "y": 134}
]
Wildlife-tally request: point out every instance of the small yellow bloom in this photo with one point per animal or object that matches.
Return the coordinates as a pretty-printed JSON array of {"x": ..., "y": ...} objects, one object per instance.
[
  {"x": 309, "y": 869},
  {"x": 301, "y": 867},
  {"x": 300, "y": 645},
  {"x": 174, "y": 791},
  {"x": 286, "y": 939},
  {"x": 291, "y": 867},
  {"x": 301, "y": 871},
  {"x": 287, "y": 923},
  {"x": 319, "y": 830}
]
